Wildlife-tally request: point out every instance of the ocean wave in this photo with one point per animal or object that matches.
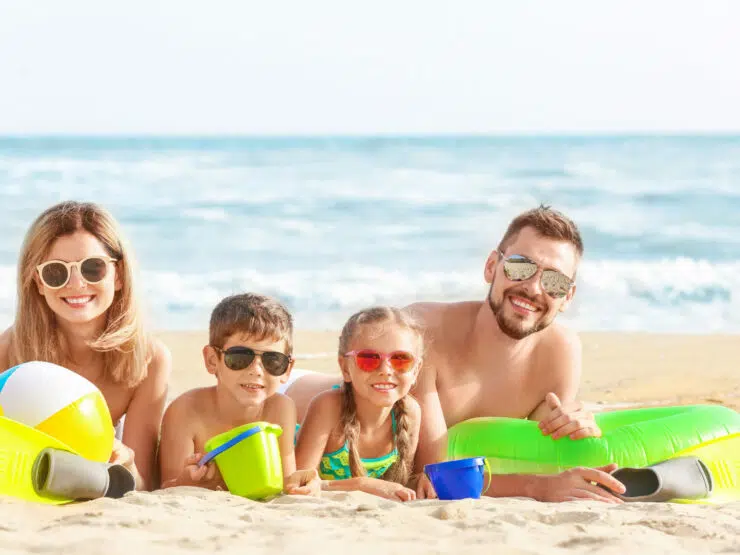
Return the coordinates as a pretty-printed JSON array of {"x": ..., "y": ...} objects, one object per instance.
[
  {"x": 482, "y": 167},
  {"x": 663, "y": 295},
  {"x": 676, "y": 295},
  {"x": 658, "y": 218}
]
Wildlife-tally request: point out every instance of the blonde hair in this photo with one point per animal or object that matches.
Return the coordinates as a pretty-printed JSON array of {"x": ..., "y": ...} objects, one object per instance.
[
  {"x": 123, "y": 343},
  {"x": 255, "y": 315},
  {"x": 400, "y": 471}
]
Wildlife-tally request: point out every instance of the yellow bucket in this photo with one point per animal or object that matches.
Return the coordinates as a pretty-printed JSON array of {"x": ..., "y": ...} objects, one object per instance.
[{"x": 248, "y": 458}]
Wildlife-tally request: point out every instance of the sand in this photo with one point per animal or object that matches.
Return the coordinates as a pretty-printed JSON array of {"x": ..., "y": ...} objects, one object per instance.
[{"x": 619, "y": 370}]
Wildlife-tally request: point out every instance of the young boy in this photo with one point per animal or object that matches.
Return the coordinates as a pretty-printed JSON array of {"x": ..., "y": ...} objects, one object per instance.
[{"x": 249, "y": 352}]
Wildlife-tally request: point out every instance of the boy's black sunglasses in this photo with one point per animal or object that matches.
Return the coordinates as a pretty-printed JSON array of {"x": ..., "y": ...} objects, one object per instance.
[{"x": 239, "y": 358}]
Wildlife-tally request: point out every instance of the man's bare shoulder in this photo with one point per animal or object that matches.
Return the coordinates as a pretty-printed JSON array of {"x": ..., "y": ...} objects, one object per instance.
[
  {"x": 441, "y": 318},
  {"x": 557, "y": 357},
  {"x": 559, "y": 339}
]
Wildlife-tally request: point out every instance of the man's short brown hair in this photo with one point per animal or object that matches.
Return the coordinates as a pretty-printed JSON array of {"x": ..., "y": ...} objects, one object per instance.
[
  {"x": 254, "y": 315},
  {"x": 548, "y": 223}
]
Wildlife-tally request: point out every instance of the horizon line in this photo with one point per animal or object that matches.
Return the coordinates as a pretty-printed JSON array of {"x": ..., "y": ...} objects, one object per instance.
[{"x": 379, "y": 135}]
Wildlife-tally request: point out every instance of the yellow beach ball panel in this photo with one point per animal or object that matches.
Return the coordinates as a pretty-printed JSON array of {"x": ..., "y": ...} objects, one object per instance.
[{"x": 85, "y": 425}]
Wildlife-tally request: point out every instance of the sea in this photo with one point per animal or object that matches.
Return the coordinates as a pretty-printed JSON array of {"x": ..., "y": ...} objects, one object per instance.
[{"x": 332, "y": 224}]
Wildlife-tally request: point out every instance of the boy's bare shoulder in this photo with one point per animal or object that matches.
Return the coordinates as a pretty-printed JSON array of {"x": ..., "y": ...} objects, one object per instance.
[
  {"x": 191, "y": 403},
  {"x": 279, "y": 402}
]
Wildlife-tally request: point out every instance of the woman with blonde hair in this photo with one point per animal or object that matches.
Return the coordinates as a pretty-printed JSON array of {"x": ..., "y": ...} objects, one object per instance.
[{"x": 77, "y": 307}]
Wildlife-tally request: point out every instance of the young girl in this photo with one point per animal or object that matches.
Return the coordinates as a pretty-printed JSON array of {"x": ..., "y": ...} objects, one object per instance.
[
  {"x": 363, "y": 436},
  {"x": 77, "y": 307}
]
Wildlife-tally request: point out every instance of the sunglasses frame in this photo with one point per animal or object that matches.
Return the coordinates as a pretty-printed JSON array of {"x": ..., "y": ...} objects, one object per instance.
[
  {"x": 69, "y": 265},
  {"x": 255, "y": 354},
  {"x": 384, "y": 357},
  {"x": 538, "y": 268}
]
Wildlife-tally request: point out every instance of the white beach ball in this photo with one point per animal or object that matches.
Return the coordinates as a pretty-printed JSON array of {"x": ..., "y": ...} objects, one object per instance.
[{"x": 60, "y": 403}]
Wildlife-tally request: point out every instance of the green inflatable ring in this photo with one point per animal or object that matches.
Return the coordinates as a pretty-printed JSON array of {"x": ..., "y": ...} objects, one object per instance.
[{"x": 633, "y": 438}]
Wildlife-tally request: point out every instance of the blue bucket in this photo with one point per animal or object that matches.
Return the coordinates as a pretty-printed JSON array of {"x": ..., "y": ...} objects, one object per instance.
[{"x": 460, "y": 479}]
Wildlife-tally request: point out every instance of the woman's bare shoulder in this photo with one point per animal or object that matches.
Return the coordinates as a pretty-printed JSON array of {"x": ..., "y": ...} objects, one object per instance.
[
  {"x": 5, "y": 349},
  {"x": 160, "y": 362}
]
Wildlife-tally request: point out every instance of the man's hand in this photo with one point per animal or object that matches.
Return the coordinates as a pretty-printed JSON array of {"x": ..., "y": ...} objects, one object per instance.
[
  {"x": 595, "y": 484},
  {"x": 303, "y": 482},
  {"x": 569, "y": 419}
]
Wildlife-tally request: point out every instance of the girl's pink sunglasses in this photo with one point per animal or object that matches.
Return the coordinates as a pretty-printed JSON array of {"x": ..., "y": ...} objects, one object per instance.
[{"x": 369, "y": 360}]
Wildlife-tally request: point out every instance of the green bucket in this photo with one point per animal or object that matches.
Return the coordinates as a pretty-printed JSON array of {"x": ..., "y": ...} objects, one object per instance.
[{"x": 248, "y": 458}]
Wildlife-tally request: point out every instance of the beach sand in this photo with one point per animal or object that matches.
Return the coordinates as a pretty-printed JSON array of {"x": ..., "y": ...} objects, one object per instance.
[{"x": 619, "y": 370}]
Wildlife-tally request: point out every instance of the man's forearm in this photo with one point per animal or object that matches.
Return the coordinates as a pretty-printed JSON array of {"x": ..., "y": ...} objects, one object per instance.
[{"x": 517, "y": 485}]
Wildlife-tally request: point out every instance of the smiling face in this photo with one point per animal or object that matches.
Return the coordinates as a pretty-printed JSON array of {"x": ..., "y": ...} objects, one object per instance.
[
  {"x": 383, "y": 386},
  {"x": 250, "y": 386},
  {"x": 522, "y": 308},
  {"x": 80, "y": 302}
]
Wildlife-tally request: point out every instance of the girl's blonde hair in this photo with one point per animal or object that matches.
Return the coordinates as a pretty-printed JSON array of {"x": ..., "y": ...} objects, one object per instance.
[
  {"x": 400, "y": 471},
  {"x": 123, "y": 343}
]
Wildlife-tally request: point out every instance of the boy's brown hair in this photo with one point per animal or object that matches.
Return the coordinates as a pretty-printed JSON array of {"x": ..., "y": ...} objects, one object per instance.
[
  {"x": 255, "y": 315},
  {"x": 548, "y": 223}
]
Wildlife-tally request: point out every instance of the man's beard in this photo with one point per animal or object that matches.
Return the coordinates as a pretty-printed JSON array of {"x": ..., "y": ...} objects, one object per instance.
[{"x": 510, "y": 328}]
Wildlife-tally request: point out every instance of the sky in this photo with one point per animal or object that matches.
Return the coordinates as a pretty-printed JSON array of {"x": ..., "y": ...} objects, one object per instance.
[{"x": 381, "y": 67}]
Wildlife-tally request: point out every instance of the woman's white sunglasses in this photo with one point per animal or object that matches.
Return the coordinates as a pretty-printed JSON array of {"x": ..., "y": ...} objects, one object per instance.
[{"x": 56, "y": 273}]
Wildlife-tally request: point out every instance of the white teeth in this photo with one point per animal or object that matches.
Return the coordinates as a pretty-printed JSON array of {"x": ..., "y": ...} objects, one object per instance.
[
  {"x": 77, "y": 300},
  {"x": 252, "y": 386},
  {"x": 524, "y": 305},
  {"x": 384, "y": 386}
]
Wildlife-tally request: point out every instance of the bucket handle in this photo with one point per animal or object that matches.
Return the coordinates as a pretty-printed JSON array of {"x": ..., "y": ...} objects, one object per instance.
[
  {"x": 488, "y": 471},
  {"x": 208, "y": 457}
]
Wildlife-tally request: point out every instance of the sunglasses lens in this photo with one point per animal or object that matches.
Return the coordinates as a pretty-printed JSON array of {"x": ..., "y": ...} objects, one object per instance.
[
  {"x": 519, "y": 269},
  {"x": 368, "y": 361},
  {"x": 555, "y": 284},
  {"x": 275, "y": 363},
  {"x": 54, "y": 274},
  {"x": 402, "y": 362},
  {"x": 93, "y": 269},
  {"x": 238, "y": 360}
]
